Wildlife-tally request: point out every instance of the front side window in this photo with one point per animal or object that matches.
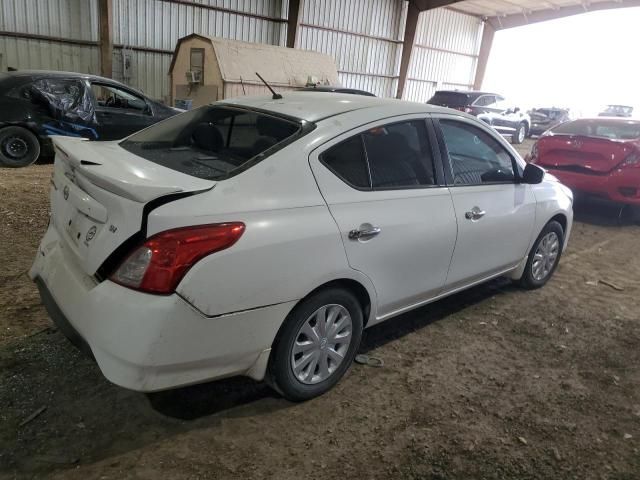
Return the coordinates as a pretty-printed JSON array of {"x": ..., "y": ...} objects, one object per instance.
[
  {"x": 210, "y": 142},
  {"x": 476, "y": 157},
  {"x": 109, "y": 96},
  {"x": 484, "y": 100}
]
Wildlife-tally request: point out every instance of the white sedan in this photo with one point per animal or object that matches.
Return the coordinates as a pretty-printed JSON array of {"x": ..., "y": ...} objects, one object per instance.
[{"x": 260, "y": 236}]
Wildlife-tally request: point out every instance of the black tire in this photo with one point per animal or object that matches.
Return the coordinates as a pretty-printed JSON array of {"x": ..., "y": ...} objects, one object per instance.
[
  {"x": 18, "y": 147},
  {"x": 280, "y": 374},
  {"x": 528, "y": 279},
  {"x": 520, "y": 134}
]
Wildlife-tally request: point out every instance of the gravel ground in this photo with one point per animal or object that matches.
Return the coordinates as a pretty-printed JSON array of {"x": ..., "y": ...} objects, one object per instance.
[{"x": 493, "y": 383}]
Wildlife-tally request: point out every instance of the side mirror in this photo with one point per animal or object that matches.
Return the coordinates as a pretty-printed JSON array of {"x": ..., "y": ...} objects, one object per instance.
[
  {"x": 532, "y": 174},
  {"x": 516, "y": 109}
]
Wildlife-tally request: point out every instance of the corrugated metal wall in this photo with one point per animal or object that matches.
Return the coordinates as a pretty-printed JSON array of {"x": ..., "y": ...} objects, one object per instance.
[
  {"x": 445, "y": 54},
  {"x": 156, "y": 25},
  {"x": 74, "y": 20},
  {"x": 364, "y": 36}
]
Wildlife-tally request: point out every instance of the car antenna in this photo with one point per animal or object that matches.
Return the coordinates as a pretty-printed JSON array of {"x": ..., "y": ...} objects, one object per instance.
[{"x": 275, "y": 96}]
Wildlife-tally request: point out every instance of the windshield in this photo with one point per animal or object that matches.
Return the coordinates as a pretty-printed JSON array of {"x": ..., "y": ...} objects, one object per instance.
[
  {"x": 618, "y": 130},
  {"x": 210, "y": 142},
  {"x": 548, "y": 112},
  {"x": 450, "y": 99}
]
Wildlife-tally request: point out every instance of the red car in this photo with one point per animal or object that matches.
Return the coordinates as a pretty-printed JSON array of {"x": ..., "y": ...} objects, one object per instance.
[{"x": 595, "y": 156}]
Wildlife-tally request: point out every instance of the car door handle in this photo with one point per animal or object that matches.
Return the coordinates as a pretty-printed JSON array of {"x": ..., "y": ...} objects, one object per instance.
[
  {"x": 475, "y": 214},
  {"x": 365, "y": 232}
]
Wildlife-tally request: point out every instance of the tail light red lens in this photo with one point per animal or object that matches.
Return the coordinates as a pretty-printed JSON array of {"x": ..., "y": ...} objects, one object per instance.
[
  {"x": 633, "y": 160},
  {"x": 158, "y": 265}
]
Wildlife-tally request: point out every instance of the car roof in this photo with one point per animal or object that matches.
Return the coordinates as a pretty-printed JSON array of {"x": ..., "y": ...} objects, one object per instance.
[
  {"x": 57, "y": 73},
  {"x": 336, "y": 89},
  {"x": 316, "y": 106},
  {"x": 469, "y": 92}
]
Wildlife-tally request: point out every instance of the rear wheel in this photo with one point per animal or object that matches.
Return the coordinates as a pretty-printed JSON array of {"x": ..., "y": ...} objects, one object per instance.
[
  {"x": 543, "y": 257},
  {"x": 18, "y": 147},
  {"x": 316, "y": 345},
  {"x": 520, "y": 134}
]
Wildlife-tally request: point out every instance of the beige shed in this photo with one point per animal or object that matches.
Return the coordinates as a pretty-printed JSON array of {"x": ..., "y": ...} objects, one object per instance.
[{"x": 206, "y": 69}]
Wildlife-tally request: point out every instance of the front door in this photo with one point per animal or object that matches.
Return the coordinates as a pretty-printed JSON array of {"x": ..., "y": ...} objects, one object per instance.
[
  {"x": 395, "y": 216},
  {"x": 119, "y": 112},
  {"x": 495, "y": 212}
]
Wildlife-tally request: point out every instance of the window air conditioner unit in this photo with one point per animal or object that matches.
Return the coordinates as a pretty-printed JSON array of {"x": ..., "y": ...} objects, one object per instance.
[{"x": 194, "y": 77}]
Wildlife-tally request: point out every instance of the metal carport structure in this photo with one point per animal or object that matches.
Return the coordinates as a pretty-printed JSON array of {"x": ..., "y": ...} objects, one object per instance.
[{"x": 496, "y": 15}]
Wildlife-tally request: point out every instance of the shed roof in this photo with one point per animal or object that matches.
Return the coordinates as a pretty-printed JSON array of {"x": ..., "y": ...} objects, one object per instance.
[{"x": 280, "y": 66}]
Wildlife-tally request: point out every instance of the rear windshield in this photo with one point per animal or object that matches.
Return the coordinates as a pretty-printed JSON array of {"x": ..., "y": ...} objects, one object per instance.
[
  {"x": 211, "y": 142},
  {"x": 618, "y": 110},
  {"x": 618, "y": 130},
  {"x": 450, "y": 99}
]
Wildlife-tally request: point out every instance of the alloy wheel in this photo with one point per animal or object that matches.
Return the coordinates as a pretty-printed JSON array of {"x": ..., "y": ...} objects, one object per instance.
[{"x": 545, "y": 257}]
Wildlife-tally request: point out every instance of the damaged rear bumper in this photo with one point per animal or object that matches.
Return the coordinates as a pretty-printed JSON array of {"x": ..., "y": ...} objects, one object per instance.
[{"x": 150, "y": 342}]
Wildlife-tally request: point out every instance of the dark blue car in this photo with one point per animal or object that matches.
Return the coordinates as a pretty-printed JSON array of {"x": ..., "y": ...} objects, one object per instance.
[{"x": 37, "y": 104}]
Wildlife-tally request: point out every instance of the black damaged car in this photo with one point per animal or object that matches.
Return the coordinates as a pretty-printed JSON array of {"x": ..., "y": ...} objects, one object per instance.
[{"x": 37, "y": 104}]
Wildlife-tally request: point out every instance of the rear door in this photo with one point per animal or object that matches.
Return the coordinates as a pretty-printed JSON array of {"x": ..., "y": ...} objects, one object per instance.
[
  {"x": 385, "y": 189},
  {"x": 495, "y": 213},
  {"x": 119, "y": 112}
]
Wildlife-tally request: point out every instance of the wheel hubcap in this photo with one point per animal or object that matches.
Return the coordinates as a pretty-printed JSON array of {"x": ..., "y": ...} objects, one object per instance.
[
  {"x": 15, "y": 147},
  {"x": 321, "y": 344},
  {"x": 545, "y": 257},
  {"x": 521, "y": 134}
]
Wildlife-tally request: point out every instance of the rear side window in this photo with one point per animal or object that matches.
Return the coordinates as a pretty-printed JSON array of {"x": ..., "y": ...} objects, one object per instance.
[
  {"x": 476, "y": 157},
  {"x": 399, "y": 155},
  {"x": 211, "y": 142},
  {"x": 347, "y": 160},
  {"x": 393, "y": 156},
  {"x": 450, "y": 99}
]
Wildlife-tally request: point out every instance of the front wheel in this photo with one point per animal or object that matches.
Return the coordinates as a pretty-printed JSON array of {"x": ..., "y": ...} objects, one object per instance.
[
  {"x": 520, "y": 134},
  {"x": 543, "y": 257},
  {"x": 316, "y": 345},
  {"x": 18, "y": 147}
]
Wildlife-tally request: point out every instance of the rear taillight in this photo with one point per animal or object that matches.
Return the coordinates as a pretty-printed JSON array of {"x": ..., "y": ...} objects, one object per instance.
[
  {"x": 158, "y": 265},
  {"x": 633, "y": 160}
]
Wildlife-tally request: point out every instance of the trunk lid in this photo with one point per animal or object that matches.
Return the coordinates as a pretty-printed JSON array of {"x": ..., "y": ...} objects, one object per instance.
[
  {"x": 582, "y": 153},
  {"x": 99, "y": 194}
]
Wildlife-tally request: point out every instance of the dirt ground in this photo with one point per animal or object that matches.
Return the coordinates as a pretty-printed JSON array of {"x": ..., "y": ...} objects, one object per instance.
[{"x": 493, "y": 383}]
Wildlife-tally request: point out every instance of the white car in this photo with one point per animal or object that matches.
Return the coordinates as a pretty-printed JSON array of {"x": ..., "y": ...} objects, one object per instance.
[{"x": 259, "y": 236}]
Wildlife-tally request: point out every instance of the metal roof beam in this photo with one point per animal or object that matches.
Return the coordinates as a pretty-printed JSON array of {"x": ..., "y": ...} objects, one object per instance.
[{"x": 536, "y": 16}]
